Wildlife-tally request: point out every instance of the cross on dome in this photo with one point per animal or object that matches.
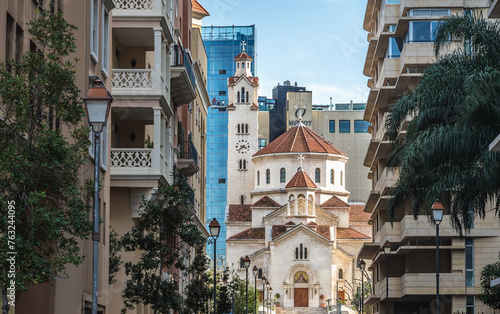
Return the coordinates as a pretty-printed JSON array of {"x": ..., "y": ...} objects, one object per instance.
[
  {"x": 243, "y": 45},
  {"x": 301, "y": 159}
]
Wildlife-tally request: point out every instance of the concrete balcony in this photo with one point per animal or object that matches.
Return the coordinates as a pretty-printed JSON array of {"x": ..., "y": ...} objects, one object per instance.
[
  {"x": 389, "y": 72},
  {"x": 389, "y": 232},
  {"x": 146, "y": 10},
  {"x": 132, "y": 163},
  {"x": 187, "y": 161},
  {"x": 386, "y": 180},
  {"x": 405, "y": 5},
  {"x": 183, "y": 82}
]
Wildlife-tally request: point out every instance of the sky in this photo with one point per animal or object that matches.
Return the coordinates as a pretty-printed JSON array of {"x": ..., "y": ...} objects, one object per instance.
[{"x": 320, "y": 44}]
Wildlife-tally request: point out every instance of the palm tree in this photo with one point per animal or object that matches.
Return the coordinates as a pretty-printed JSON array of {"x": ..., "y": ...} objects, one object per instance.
[{"x": 456, "y": 108}]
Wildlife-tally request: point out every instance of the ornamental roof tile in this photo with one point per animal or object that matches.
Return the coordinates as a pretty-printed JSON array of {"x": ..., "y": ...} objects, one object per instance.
[
  {"x": 357, "y": 213},
  {"x": 300, "y": 180},
  {"x": 239, "y": 212},
  {"x": 324, "y": 230},
  {"x": 242, "y": 55},
  {"x": 349, "y": 233},
  {"x": 266, "y": 201},
  {"x": 334, "y": 201},
  {"x": 299, "y": 139},
  {"x": 278, "y": 230},
  {"x": 251, "y": 233},
  {"x": 197, "y": 7}
]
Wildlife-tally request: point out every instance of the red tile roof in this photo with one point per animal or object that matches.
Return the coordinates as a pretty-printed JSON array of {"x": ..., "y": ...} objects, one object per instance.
[
  {"x": 239, "y": 213},
  {"x": 312, "y": 223},
  {"x": 357, "y": 213},
  {"x": 231, "y": 107},
  {"x": 334, "y": 201},
  {"x": 290, "y": 223},
  {"x": 278, "y": 230},
  {"x": 197, "y": 7},
  {"x": 251, "y": 233},
  {"x": 349, "y": 233},
  {"x": 324, "y": 230},
  {"x": 266, "y": 201},
  {"x": 254, "y": 107},
  {"x": 299, "y": 139},
  {"x": 242, "y": 55},
  {"x": 254, "y": 80},
  {"x": 300, "y": 180}
]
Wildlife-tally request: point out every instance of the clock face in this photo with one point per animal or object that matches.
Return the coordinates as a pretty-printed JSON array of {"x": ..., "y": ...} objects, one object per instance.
[{"x": 242, "y": 146}]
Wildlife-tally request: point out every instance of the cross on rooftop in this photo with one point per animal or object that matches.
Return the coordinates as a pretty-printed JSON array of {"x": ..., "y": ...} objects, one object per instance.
[
  {"x": 301, "y": 158},
  {"x": 243, "y": 45}
]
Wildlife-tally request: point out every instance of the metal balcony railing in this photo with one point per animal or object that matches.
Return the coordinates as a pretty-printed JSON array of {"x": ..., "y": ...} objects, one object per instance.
[
  {"x": 181, "y": 59},
  {"x": 188, "y": 151}
]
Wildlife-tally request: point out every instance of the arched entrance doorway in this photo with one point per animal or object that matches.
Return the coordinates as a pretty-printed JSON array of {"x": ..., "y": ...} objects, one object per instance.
[{"x": 301, "y": 290}]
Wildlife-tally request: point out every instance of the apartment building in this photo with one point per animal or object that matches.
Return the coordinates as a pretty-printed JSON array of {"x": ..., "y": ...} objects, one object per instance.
[
  {"x": 150, "y": 55},
  {"x": 400, "y": 34}
]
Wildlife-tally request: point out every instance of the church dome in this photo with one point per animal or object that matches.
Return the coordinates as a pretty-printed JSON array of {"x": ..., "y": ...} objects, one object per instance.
[{"x": 299, "y": 139}]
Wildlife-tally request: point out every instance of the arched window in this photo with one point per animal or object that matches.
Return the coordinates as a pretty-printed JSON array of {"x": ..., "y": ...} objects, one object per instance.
[
  {"x": 268, "y": 176},
  {"x": 332, "y": 179},
  {"x": 243, "y": 94},
  {"x": 317, "y": 175},
  {"x": 296, "y": 253},
  {"x": 248, "y": 99},
  {"x": 260, "y": 274},
  {"x": 239, "y": 128},
  {"x": 258, "y": 177},
  {"x": 246, "y": 128},
  {"x": 282, "y": 175},
  {"x": 341, "y": 273},
  {"x": 342, "y": 178},
  {"x": 238, "y": 97},
  {"x": 242, "y": 199},
  {"x": 238, "y": 65},
  {"x": 243, "y": 64},
  {"x": 305, "y": 253},
  {"x": 301, "y": 251}
]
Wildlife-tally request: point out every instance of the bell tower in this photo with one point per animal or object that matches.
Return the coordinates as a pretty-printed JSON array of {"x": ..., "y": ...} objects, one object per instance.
[{"x": 242, "y": 129}]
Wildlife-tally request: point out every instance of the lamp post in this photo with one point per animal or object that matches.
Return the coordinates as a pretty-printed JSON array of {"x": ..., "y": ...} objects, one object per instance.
[
  {"x": 437, "y": 214},
  {"x": 247, "y": 264},
  {"x": 264, "y": 281},
  {"x": 270, "y": 299},
  {"x": 362, "y": 266},
  {"x": 214, "y": 227},
  {"x": 267, "y": 286},
  {"x": 98, "y": 102},
  {"x": 255, "y": 271},
  {"x": 387, "y": 251}
]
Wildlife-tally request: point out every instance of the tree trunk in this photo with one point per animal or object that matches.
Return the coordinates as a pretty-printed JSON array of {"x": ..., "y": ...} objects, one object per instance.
[{"x": 6, "y": 306}]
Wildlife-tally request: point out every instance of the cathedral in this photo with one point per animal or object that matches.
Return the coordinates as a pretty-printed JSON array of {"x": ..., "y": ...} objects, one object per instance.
[{"x": 288, "y": 207}]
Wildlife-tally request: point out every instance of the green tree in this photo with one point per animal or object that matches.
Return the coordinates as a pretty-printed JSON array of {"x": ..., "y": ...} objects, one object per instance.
[
  {"x": 165, "y": 235},
  {"x": 115, "y": 260},
  {"x": 490, "y": 296},
  {"x": 43, "y": 203},
  {"x": 456, "y": 112},
  {"x": 238, "y": 286}
]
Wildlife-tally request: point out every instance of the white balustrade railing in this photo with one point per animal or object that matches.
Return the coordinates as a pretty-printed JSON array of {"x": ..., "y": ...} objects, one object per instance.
[
  {"x": 131, "y": 157},
  {"x": 134, "y": 4},
  {"x": 132, "y": 78}
]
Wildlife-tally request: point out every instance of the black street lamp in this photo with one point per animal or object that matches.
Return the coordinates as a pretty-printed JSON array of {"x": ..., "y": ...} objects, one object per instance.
[
  {"x": 267, "y": 299},
  {"x": 437, "y": 214},
  {"x": 264, "y": 281},
  {"x": 255, "y": 271},
  {"x": 214, "y": 227},
  {"x": 247, "y": 264},
  {"x": 387, "y": 251},
  {"x": 362, "y": 266},
  {"x": 97, "y": 101},
  {"x": 270, "y": 299}
]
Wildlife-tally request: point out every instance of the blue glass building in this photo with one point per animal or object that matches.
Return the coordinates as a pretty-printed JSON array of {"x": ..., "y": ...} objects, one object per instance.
[{"x": 222, "y": 44}]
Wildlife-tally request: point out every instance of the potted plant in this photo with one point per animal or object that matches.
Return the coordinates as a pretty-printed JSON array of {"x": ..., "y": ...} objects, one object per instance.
[
  {"x": 277, "y": 296},
  {"x": 322, "y": 302}
]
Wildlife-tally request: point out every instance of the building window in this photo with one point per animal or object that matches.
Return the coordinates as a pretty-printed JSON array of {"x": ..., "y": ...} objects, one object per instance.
[
  {"x": 317, "y": 175},
  {"x": 341, "y": 273},
  {"x": 392, "y": 1},
  {"x": 222, "y": 180},
  {"x": 258, "y": 177},
  {"x": 470, "y": 304},
  {"x": 341, "y": 178},
  {"x": 429, "y": 12},
  {"x": 262, "y": 143},
  {"x": 242, "y": 263},
  {"x": 242, "y": 199},
  {"x": 238, "y": 98},
  {"x": 105, "y": 41},
  {"x": 222, "y": 71},
  {"x": 282, "y": 175},
  {"x": 248, "y": 99},
  {"x": 222, "y": 93},
  {"x": 243, "y": 94},
  {"x": 344, "y": 126},
  {"x": 332, "y": 177},
  {"x": 301, "y": 252},
  {"x": 242, "y": 164},
  {"x": 242, "y": 128},
  {"x": 259, "y": 276},
  {"x": 395, "y": 47},
  {"x": 361, "y": 126},
  {"x": 469, "y": 262},
  {"x": 94, "y": 28},
  {"x": 268, "y": 176},
  {"x": 332, "y": 126},
  {"x": 243, "y": 65}
]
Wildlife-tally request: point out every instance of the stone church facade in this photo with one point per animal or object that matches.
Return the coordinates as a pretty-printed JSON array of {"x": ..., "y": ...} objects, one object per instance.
[{"x": 289, "y": 210}]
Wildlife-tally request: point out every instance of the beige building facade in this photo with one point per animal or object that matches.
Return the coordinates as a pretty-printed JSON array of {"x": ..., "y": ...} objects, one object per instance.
[{"x": 400, "y": 48}]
